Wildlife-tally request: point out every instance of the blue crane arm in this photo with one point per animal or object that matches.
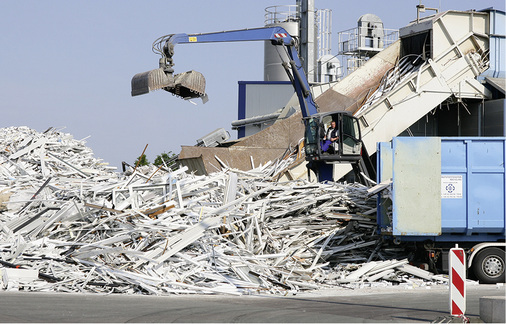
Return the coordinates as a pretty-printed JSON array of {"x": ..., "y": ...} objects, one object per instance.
[
  {"x": 278, "y": 36},
  {"x": 241, "y": 35}
]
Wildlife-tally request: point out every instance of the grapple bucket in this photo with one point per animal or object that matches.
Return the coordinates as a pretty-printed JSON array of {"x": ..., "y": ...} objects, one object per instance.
[
  {"x": 187, "y": 85},
  {"x": 151, "y": 80},
  {"x": 191, "y": 84}
]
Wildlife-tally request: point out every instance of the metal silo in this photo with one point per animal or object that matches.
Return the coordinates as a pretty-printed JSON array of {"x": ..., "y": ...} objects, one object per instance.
[
  {"x": 287, "y": 18},
  {"x": 370, "y": 33}
]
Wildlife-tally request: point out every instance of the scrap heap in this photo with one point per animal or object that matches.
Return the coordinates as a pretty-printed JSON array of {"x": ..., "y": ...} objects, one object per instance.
[{"x": 70, "y": 223}]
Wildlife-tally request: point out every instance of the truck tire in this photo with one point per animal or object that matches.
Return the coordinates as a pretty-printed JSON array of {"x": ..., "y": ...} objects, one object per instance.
[{"x": 488, "y": 266}]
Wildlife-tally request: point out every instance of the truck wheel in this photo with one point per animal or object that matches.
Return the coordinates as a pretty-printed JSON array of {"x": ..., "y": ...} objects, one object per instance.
[{"x": 489, "y": 265}]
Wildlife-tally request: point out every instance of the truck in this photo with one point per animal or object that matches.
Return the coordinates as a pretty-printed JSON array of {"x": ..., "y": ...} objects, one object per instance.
[{"x": 442, "y": 191}]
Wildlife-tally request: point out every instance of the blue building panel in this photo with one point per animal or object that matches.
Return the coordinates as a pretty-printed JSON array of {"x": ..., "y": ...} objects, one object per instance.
[
  {"x": 259, "y": 98},
  {"x": 497, "y": 44}
]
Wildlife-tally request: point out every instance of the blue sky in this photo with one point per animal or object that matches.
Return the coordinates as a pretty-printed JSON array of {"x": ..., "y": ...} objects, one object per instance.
[{"x": 68, "y": 64}]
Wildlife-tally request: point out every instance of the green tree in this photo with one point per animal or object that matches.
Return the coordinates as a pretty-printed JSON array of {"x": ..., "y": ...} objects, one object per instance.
[
  {"x": 142, "y": 160},
  {"x": 166, "y": 159}
]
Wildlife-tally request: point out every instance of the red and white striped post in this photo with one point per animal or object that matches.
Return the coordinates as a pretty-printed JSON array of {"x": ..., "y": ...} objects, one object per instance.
[{"x": 457, "y": 281}]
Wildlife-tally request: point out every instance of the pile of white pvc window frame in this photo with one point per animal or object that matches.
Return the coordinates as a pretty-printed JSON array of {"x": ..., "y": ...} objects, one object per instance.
[{"x": 71, "y": 223}]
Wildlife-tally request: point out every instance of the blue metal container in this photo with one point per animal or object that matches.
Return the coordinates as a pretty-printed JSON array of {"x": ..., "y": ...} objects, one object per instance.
[
  {"x": 473, "y": 184},
  {"x": 468, "y": 204}
]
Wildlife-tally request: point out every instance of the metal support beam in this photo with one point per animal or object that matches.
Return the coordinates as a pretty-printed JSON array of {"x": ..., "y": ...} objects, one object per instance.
[{"x": 308, "y": 31}]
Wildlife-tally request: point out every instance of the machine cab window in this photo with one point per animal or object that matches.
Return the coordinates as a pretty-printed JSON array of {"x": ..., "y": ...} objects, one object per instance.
[{"x": 332, "y": 136}]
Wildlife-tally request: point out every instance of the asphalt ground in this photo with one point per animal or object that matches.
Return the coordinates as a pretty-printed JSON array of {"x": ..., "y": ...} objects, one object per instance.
[{"x": 390, "y": 304}]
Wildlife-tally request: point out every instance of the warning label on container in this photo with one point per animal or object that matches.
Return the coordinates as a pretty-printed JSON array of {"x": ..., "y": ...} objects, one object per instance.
[{"x": 451, "y": 186}]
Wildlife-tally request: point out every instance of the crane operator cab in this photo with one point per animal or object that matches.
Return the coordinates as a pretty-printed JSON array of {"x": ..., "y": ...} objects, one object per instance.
[
  {"x": 319, "y": 143},
  {"x": 332, "y": 137}
]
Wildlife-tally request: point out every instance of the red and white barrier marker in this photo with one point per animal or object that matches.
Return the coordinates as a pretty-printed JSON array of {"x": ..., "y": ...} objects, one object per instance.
[{"x": 457, "y": 281}]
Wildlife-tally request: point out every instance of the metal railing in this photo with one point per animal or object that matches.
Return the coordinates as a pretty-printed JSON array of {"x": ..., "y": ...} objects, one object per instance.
[
  {"x": 324, "y": 17},
  {"x": 281, "y": 14},
  {"x": 352, "y": 41}
]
